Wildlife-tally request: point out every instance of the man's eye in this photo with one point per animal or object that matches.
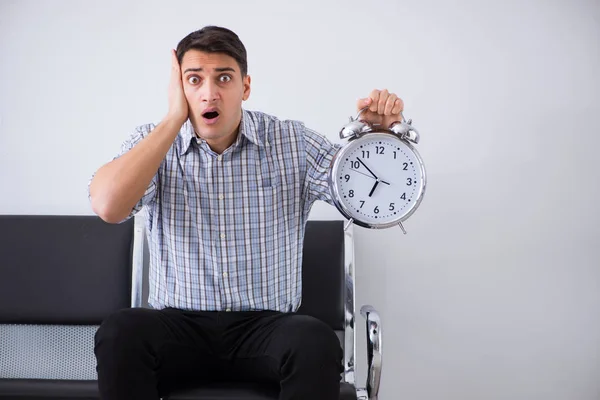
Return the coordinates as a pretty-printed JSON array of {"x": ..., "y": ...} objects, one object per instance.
[
  {"x": 224, "y": 78},
  {"x": 193, "y": 80}
]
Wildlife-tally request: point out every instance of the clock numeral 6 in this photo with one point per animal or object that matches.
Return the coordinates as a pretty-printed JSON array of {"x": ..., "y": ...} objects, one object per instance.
[{"x": 376, "y": 210}]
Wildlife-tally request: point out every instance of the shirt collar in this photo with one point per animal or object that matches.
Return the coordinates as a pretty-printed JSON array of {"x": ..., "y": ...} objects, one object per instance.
[{"x": 248, "y": 129}]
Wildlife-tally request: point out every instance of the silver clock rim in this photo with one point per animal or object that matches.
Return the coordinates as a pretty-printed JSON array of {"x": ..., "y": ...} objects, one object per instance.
[{"x": 335, "y": 191}]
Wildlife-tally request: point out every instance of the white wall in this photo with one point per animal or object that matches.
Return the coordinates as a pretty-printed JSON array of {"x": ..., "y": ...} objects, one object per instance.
[{"x": 494, "y": 293}]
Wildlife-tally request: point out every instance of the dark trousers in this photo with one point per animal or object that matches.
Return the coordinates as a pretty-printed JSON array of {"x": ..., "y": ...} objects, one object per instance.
[{"x": 146, "y": 354}]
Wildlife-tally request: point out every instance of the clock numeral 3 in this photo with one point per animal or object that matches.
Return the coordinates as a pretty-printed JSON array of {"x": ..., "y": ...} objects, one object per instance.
[{"x": 409, "y": 181}]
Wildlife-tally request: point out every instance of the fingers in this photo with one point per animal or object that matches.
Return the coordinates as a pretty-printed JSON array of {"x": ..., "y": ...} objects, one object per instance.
[
  {"x": 398, "y": 106},
  {"x": 374, "y": 100},
  {"x": 389, "y": 104},
  {"x": 362, "y": 103},
  {"x": 175, "y": 63},
  {"x": 383, "y": 96},
  {"x": 382, "y": 102}
]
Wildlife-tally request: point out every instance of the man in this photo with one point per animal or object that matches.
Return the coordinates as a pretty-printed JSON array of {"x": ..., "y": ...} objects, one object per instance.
[{"x": 227, "y": 192}]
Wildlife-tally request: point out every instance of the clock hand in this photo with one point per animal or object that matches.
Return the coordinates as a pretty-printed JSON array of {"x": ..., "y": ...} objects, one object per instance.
[
  {"x": 355, "y": 170},
  {"x": 374, "y": 186},
  {"x": 360, "y": 161},
  {"x": 362, "y": 173}
]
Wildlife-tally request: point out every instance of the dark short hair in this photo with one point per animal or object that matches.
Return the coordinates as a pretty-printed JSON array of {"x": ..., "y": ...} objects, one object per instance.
[{"x": 215, "y": 39}]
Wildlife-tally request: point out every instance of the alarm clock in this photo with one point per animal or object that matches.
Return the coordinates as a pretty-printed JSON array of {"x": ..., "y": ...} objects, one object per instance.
[{"x": 377, "y": 178}]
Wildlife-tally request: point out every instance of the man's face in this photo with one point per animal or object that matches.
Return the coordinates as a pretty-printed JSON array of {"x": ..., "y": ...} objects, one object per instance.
[{"x": 214, "y": 89}]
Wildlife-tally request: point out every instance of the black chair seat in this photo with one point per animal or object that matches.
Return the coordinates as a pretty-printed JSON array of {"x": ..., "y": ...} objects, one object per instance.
[{"x": 244, "y": 391}]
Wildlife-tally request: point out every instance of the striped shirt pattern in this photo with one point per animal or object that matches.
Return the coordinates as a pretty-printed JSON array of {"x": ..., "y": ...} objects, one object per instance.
[{"x": 226, "y": 231}]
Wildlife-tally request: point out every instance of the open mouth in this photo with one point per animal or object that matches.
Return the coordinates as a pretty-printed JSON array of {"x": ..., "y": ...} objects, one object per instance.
[{"x": 210, "y": 115}]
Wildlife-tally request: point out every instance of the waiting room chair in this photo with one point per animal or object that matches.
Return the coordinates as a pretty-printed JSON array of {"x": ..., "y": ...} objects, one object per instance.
[{"x": 60, "y": 276}]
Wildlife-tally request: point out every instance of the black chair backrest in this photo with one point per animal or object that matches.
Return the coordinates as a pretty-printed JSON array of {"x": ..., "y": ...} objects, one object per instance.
[
  {"x": 63, "y": 269},
  {"x": 323, "y": 273}
]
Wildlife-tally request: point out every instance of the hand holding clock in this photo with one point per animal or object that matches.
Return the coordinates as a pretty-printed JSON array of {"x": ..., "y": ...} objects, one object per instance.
[{"x": 384, "y": 108}]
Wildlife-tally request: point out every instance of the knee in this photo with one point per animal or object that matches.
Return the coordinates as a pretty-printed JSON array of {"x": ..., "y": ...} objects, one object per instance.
[
  {"x": 122, "y": 329},
  {"x": 314, "y": 341}
]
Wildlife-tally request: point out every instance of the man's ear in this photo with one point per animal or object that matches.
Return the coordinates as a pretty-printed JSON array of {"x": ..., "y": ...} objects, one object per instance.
[{"x": 247, "y": 82}]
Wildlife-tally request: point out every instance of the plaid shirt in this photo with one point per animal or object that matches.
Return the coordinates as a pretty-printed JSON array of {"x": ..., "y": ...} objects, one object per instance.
[{"x": 226, "y": 231}]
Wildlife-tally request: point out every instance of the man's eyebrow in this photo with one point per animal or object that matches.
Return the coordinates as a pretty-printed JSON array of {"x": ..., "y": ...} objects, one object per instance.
[{"x": 222, "y": 69}]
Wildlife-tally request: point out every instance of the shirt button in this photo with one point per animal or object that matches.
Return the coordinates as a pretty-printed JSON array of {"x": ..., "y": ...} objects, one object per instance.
[
  {"x": 222, "y": 236},
  {"x": 224, "y": 274},
  {"x": 221, "y": 197},
  {"x": 228, "y": 310},
  {"x": 219, "y": 158}
]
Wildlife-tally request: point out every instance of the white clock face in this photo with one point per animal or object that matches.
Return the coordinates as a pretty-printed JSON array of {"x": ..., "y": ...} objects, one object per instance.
[{"x": 378, "y": 179}]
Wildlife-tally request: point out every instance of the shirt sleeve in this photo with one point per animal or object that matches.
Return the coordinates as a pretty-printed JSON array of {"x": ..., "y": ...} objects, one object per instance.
[
  {"x": 319, "y": 154},
  {"x": 150, "y": 194}
]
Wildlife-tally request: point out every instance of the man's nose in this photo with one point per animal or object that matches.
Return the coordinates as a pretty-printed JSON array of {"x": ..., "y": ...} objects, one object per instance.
[{"x": 209, "y": 92}]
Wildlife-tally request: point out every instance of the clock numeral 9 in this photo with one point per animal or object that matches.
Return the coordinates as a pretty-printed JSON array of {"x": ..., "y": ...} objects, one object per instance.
[
  {"x": 351, "y": 193},
  {"x": 347, "y": 177}
]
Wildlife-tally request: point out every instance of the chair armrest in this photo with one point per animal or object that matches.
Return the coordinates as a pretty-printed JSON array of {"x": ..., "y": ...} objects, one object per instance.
[{"x": 373, "y": 323}]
